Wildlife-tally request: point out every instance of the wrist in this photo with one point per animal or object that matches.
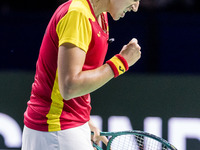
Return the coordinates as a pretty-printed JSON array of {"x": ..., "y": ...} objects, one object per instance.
[{"x": 118, "y": 64}]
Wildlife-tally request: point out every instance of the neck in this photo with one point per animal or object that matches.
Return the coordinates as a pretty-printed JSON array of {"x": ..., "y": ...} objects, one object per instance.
[{"x": 98, "y": 7}]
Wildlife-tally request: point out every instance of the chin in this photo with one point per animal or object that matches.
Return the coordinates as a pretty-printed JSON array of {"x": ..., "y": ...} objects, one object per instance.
[{"x": 115, "y": 17}]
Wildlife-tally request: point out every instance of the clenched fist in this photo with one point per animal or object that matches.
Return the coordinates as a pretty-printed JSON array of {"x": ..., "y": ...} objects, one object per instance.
[{"x": 131, "y": 52}]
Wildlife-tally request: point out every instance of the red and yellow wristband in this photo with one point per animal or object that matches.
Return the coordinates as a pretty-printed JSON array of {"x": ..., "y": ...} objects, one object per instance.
[{"x": 118, "y": 64}]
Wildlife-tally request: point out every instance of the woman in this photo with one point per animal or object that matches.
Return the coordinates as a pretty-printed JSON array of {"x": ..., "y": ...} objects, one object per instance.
[{"x": 70, "y": 66}]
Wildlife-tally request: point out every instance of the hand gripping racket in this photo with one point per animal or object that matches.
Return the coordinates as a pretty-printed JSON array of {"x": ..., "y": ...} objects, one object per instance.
[{"x": 134, "y": 140}]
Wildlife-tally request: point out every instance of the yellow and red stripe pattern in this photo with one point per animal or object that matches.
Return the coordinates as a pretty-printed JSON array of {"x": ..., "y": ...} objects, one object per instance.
[
  {"x": 56, "y": 108},
  {"x": 118, "y": 64},
  {"x": 47, "y": 110}
]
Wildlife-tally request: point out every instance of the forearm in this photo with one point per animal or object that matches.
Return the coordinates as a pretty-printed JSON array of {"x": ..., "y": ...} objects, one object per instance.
[
  {"x": 73, "y": 82},
  {"x": 86, "y": 81},
  {"x": 91, "y": 125}
]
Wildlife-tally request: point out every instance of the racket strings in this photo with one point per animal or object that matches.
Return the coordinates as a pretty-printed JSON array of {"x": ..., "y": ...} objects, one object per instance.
[{"x": 136, "y": 142}]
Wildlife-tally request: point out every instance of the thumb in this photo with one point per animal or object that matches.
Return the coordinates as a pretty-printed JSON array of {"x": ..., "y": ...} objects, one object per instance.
[{"x": 124, "y": 47}]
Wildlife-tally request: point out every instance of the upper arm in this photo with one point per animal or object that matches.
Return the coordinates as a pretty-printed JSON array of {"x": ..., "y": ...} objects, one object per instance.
[
  {"x": 70, "y": 63},
  {"x": 75, "y": 28}
]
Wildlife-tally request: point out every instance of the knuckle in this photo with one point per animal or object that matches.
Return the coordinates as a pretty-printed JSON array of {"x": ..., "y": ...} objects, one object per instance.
[
  {"x": 134, "y": 44},
  {"x": 134, "y": 40},
  {"x": 139, "y": 47}
]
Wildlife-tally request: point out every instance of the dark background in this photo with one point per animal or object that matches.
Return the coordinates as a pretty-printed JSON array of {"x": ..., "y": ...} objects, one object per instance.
[
  {"x": 168, "y": 32},
  {"x": 164, "y": 82}
]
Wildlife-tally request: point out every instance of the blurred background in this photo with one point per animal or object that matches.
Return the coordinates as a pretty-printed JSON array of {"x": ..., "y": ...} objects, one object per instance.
[{"x": 161, "y": 91}]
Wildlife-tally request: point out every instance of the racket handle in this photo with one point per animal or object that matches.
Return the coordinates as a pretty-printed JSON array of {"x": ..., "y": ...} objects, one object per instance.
[{"x": 96, "y": 146}]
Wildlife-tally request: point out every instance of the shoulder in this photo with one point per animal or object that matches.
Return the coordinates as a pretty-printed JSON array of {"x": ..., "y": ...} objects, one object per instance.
[{"x": 81, "y": 7}]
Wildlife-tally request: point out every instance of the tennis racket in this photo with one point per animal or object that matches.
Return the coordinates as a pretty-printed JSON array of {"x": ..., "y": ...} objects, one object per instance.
[{"x": 134, "y": 140}]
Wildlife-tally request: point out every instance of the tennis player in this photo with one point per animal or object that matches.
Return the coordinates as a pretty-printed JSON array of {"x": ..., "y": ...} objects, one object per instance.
[{"x": 69, "y": 67}]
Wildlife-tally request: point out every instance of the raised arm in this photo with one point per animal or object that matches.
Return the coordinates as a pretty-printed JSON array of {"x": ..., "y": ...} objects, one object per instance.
[{"x": 74, "y": 82}]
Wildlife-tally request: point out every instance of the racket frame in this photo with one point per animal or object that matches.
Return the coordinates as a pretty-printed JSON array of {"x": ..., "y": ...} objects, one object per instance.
[{"x": 134, "y": 132}]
